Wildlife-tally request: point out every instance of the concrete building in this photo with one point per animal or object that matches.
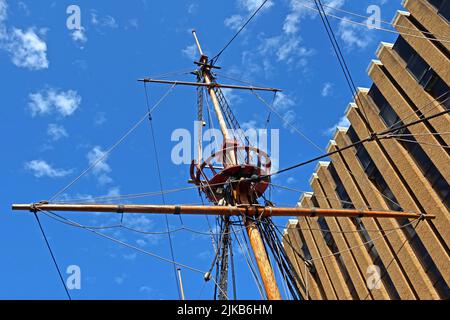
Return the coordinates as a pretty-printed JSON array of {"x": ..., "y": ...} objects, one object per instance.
[{"x": 366, "y": 258}]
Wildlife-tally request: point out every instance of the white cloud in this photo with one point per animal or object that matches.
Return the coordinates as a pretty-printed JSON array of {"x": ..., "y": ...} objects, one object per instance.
[
  {"x": 27, "y": 49},
  {"x": 192, "y": 8},
  {"x": 96, "y": 156},
  {"x": 79, "y": 35},
  {"x": 252, "y": 5},
  {"x": 354, "y": 36},
  {"x": 142, "y": 223},
  {"x": 3, "y": 10},
  {"x": 120, "y": 279},
  {"x": 234, "y": 22},
  {"x": 141, "y": 242},
  {"x": 139, "y": 222},
  {"x": 291, "y": 180},
  {"x": 231, "y": 97},
  {"x": 285, "y": 48},
  {"x": 283, "y": 102},
  {"x": 56, "y": 131},
  {"x": 130, "y": 256},
  {"x": 343, "y": 122},
  {"x": 283, "y": 105},
  {"x": 103, "y": 21},
  {"x": 301, "y": 9},
  {"x": 190, "y": 51},
  {"x": 50, "y": 100},
  {"x": 40, "y": 169},
  {"x": 327, "y": 89},
  {"x": 133, "y": 23},
  {"x": 99, "y": 118}
]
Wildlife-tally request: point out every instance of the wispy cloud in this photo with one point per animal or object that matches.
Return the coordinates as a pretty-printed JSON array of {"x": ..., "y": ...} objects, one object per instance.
[
  {"x": 52, "y": 100},
  {"x": 284, "y": 104},
  {"x": 190, "y": 52},
  {"x": 106, "y": 21},
  {"x": 252, "y": 5},
  {"x": 40, "y": 168},
  {"x": 79, "y": 36},
  {"x": 342, "y": 123},
  {"x": 120, "y": 279},
  {"x": 234, "y": 22},
  {"x": 247, "y": 7},
  {"x": 354, "y": 36},
  {"x": 3, "y": 10},
  {"x": 96, "y": 156},
  {"x": 56, "y": 131},
  {"x": 327, "y": 89}
]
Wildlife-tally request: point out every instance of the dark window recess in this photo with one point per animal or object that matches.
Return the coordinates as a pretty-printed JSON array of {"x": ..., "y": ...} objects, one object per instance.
[
  {"x": 346, "y": 202},
  {"x": 404, "y": 50},
  {"x": 351, "y": 133},
  {"x": 421, "y": 70},
  {"x": 382, "y": 186},
  {"x": 438, "y": 89},
  {"x": 328, "y": 237},
  {"x": 442, "y": 7},
  {"x": 429, "y": 170},
  {"x": 306, "y": 253},
  {"x": 315, "y": 202},
  {"x": 386, "y": 112},
  {"x": 377, "y": 179},
  {"x": 418, "y": 68},
  {"x": 424, "y": 257}
]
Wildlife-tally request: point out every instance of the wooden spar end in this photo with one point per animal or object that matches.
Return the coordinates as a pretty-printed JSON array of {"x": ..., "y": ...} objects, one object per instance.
[{"x": 250, "y": 210}]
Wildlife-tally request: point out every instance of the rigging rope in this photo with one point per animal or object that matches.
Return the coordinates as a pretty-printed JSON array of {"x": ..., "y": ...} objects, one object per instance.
[
  {"x": 154, "y": 255},
  {"x": 216, "y": 57},
  {"x": 52, "y": 255},
  {"x": 114, "y": 146},
  {"x": 436, "y": 38},
  {"x": 342, "y": 61},
  {"x": 169, "y": 236}
]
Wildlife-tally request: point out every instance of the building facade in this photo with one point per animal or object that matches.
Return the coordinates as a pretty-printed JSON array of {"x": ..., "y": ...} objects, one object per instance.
[{"x": 367, "y": 258}]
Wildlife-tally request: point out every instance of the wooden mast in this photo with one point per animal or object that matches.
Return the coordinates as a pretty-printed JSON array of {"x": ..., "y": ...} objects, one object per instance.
[{"x": 256, "y": 242}]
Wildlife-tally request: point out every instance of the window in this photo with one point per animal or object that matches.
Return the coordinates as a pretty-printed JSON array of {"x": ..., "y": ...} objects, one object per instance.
[
  {"x": 418, "y": 68},
  {"x": 363, "y": 157},
  {"x": 429, "y": 170},
  {"x": 442, "y": 7},
  {"x": 421, "y": 70},
  {"x": 382, "y": 186},
  {"x": 315, "y": 202},
  {"x": 404, "y": 50},
  {"x": 351, "y": 133},
  {"x": 328, "y": 237},
  {"x": 438, "y": 89},
  {"x": 377, "y": 179},
  {"x": 388, "y": 114},
  {"x": 346, "y": 202}
]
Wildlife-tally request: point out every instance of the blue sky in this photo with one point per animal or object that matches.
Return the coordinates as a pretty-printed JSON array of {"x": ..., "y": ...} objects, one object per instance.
[{"x": 68, "y": 95}]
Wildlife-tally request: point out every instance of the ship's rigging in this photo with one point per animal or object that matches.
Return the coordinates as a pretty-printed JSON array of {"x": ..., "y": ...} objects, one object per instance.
[{"x": 235, "y": 180}]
